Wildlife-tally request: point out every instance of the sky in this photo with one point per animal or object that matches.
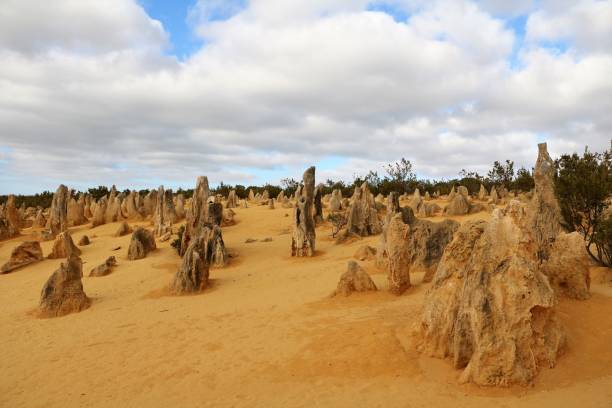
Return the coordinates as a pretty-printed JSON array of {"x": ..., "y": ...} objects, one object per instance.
[{"x": 143, "y": 93}]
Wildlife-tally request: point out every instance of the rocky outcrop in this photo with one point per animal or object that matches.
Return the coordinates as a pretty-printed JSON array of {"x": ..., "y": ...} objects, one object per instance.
[
  {"x": 270, "y": 203},
  {"x": 99, "y": 216},
  {"x": 169, "y": 210},
  {"x": 25, "y": 254},
  {"x": 63, "y": 292},
  {"x": 232, "y": 200},
  {"x": 303, "y": 237},
  {"x": 427, "y": 241},
  {"x": 318, "y": 206},
  {"x": 132, "y": 210},
  {"x": 141, "y": 244},
  {"x": 362, "y": 217},
  {"x": 459, "y": 205},
  {"x": 84, "y": 241},
  {"x": 482, "y": 193},
  {"x": 365, "y": 253},
  {"x": 149, "y": 203},
  {"x": 197, "y": 215},
  {"x": 123, "y": 229},
  {"x": 39, "y": 221},
  {"x": 104, "y": 269},
  {"x": 180, "y": 207},
  {"x": 398, "y": 268},
  {"x": 63, "y": 247},
  {"x": 545, "y": 214},
  {"x": 76, "y": 211},
  {"x": 58, "y": 215},
  {"x": 192, "y": 275},
  {"x": 355, "y": 279},
  {"x": 490, "y": 308},
  {"x": 160, "y": 224},
  {"x": 335, "y": 202},
  {"x": 113, "y": 207},
  {"x": 567, "y": 266}
]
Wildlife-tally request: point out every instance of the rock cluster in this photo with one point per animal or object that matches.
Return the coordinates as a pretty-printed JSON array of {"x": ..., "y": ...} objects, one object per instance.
[{"x": 362, "y": 217}]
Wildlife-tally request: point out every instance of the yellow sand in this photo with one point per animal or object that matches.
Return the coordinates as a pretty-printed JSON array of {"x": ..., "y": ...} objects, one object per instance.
[{"x": 264, "y": 334}]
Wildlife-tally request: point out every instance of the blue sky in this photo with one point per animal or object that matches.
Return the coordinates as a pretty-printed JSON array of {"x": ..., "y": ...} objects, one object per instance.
[{"x": 148, "y": 92}]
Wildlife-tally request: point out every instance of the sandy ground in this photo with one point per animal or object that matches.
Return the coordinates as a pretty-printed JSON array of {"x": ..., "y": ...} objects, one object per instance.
[{"x": 265, "y": 334}]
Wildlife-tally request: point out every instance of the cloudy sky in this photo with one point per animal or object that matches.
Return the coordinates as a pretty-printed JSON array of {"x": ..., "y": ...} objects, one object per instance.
[{"x": 140, "y": 93}]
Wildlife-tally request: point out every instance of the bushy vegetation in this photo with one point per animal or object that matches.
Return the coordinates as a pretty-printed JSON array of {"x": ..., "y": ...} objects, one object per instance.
[{"x": 583, "y": 185}]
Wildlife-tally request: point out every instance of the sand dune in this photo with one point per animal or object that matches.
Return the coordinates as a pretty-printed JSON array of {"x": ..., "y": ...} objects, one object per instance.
[{"x": 264, "y": 334}]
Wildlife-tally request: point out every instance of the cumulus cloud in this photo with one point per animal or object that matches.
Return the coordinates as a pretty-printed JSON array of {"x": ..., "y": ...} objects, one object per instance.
[{"x": 279, "y": 85}]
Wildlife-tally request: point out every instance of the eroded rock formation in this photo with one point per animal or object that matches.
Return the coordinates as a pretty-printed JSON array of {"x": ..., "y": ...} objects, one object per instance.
[
  {"x": 58, "y": 215},
  {"x": 63, "y": 292},
  {"x": 362, "y": 217},
  {"x": 63, "y": 247},
  {"x": 398, "y": 268},
  {"x": 303, "y": 237},
  {"x": 141, "y": 244},
  {"x": 104, "y": 269},
  {"x": 490, "y": 308},
  {"x": 25, "y": 254},
  {"x": 355, "y": 279}
]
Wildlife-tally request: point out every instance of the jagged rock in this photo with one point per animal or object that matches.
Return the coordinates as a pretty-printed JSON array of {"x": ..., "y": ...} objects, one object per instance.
[
  {"x": 303, "y": 237},
  {"x": 398, "y": 269},
  {"x": 355, "y": 279},
  {"x": 123, "y": 229},
  {"x": 463, "y": 191},
  {"x": 416, "y": 202},
  {"x": 132, "y": 210},
  {"x": 365, "y": 253},
  {"x": 427, "y": 196},
  {"x": 63, "y": 292},
  {"x": 245, "y": 204},
  {"x": 251, "y": 195},
  {"x": 482, "y": 193},
  {"x": 104, "y": 269},
  {"x": 39, "y": 221},
  {"x": 99, "y": 216},
  {"x": 180, "y": 207},
  {"x": 192, "y": 275},
  {"x": 335, "y": 202},
  {"x": 87, "y": 209},
  {"x": 84, "y": 241},
  {"x": 428, "y": 209},
  {"x": 64, "y": 247},
  {"x": 228, "y": 217},
  {"x": 76, "y": 211},
  {"x": 493, "y": 198},
  {"x": 232, "y": 201},
  {"x": 150, "y": 202},
  {"x": 25, "y": 254},
  {"x": 545, "y": 214},
  {"x": 169, "y": 210},
  {"x": 197, "y": 215},
  {"x": 160, "y": 224},
  {"x": 318, "y": 207},
  {"x": 215, "y": 213},
  {"x": 58, "y": 215},
  {"x": 113, "y": 207},
  {"x": 489, "y": 307},
  {"x": 141, "y": 244},
  {"x": 567, "y": 266},
  {"x": 270, "y": 203},
  {"x": 459, "y": 205},
  {"x": 452, "y": 194},
  {"x": 11, "y": 214},
  {"x": 362, "y": 217}
]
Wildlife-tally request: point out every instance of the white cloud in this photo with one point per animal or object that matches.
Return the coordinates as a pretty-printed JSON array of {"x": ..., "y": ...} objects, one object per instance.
[
  {"x": 278, "y": 87},
  {"x": 587, "y": 25}
]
